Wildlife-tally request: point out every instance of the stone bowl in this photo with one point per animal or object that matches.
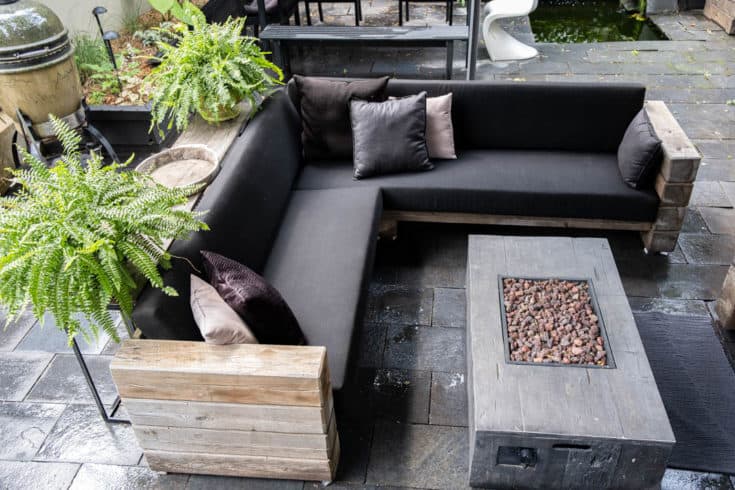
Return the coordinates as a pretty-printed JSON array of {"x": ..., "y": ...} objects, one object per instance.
[{"x": 182, "y": 166}]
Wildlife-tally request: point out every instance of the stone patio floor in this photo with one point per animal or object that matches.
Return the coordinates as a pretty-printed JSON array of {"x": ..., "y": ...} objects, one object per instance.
[{"x": 402, "y": 416}]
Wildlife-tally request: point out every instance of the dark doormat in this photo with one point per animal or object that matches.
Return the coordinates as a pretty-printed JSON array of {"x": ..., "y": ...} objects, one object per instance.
[{"x": 697, "y": 385}]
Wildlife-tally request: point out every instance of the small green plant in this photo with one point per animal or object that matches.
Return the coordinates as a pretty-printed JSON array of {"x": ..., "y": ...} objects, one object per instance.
[
  {"x": 210, "y": 71},
  {"x": 90, "y": 56},
  {"x": 77, "y": 234},
  {"x": 182, "y": 10},
  {"x": 156, "y": 35}
]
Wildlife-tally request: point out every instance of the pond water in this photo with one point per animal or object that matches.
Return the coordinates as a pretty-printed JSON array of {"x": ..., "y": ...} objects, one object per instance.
[{"x": 589, "y": 21}]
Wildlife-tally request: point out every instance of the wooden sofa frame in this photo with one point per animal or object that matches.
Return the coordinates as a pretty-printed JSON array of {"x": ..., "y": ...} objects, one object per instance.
[
  {"x": 267, "y": 411},
  {"x": 673, "y": 185}
]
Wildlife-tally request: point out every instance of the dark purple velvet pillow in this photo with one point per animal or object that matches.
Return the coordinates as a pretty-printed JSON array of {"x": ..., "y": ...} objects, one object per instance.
[{"x": 259, "y": 304}]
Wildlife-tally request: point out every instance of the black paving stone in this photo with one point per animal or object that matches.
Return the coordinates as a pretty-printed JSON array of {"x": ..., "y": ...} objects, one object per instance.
[
  {"x": 690, "y": 480},
  {"x": 425, "y": 349},
  {"x": 64, "y": 381},
  {"x": 401, "y": 395},
  {"x": 448, "y": 399},
  {"x": 206, "y": 482},
  {"x": 11, "y": 335},
  {"x": 719, "y": 220},
  {"x": 449, "y": 308},
  {"x": 419, "y": 456},
  {"x": 81, "y": 436},
  {"x": 371, "y": 345},
  {"x": 34, "y": 475},
  {"x": 355, "y": 441},
  {"x": 693, "y": 222},
  {"x": 707, "y": 249},
  {"x": 710, "y": 194},
  {"x": 692, "y": 281},
  {"x": 101, "y": 476},
  {"x": 48, "y": 338},
  {"x": 24, "y": 427},
  {"x": 19, "y": 371},
  {"x": 399, "y": 304},
  {"x": 668, "y": 306}
]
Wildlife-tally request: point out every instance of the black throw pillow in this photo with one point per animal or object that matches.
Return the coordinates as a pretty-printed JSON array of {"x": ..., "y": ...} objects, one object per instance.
[
  {"x": 640, "y": 153},
  {"x": 389, "y": 137},
  {"x": 259, "y": 304},
  {"x": 325, "y": 113}
]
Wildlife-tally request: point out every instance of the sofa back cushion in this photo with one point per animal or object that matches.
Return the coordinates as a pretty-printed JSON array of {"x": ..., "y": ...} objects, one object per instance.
[
  {"x": 534, "y": 116},
  {"x": 243, "y": 207}
]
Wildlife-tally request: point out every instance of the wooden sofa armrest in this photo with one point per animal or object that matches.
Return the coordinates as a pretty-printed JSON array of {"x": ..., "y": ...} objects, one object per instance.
[
  {"x": 262, "y": 411},
  {"x": 674, "y": 182}
]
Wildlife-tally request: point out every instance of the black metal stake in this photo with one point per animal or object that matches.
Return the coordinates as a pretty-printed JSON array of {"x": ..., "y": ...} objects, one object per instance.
[
  {"x": 108, "y": 417},
  {"x": 107, "y": 37}
]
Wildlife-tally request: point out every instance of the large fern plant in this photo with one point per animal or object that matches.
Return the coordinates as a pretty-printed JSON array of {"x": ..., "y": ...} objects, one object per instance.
[
  {"x": 76, "y": 235},
  {"x": 211, "y": 69}
]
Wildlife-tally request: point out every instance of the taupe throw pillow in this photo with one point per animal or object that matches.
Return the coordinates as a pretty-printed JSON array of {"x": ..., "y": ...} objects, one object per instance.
[
  {"x": 325, "y": 113},
  {"x": 218, "y": 323},
  {"x": 439, "y": 129},
  {"x": 258, "y": 303},
  {"x": 390, "y": 136}
]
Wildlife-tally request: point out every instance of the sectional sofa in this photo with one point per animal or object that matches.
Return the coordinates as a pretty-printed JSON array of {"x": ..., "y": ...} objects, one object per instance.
[{"x": 528, "y": 154}]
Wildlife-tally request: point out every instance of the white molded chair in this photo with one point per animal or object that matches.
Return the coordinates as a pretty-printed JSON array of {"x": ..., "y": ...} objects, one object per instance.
[{"x": 500, "y": 45}]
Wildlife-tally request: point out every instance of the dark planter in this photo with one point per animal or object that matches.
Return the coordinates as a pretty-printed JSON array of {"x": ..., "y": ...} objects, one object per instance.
[{"x": 126, "y": 127}]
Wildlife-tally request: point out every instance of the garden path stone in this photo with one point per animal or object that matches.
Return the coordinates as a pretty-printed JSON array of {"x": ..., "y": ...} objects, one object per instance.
[
  {"x": 399, "y": 304},
  {"x": 693, "y": 222},
  {"x": 707, "y": 249},
  {"x": 709, "y": 194},
  {"x": 426, "y": 349},
  {"x": 25, "y": 427},
  {"x": 355, "y": 442},
  {"x": 11, "y": 335},
  {"x": 692, "y": 281},
  {"x": 372, "y": 344},
  {"x": 64, "y": 381},
  {"x": 48, "y": 338},
  {"x": 430, "y": 456},
  {"x": 206, "y": 482},
  {"x": 34, "y": 475},
  {"x": 668, "y": 306},
  {"x": 449, "y": 308},
  {"x": 719, "y": 220},
  {"x": 19, "y": 371},
  {"x": 448, "y": 399},
  {"x": 690, "y": 480},
  {"x": 81, "y": 436},
  {"x": 100, "y": 476},
  {"x": 401, "y": 395}
]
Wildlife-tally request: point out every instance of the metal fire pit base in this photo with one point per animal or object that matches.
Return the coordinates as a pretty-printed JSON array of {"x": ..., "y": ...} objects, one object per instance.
[{"x": 552, "y": 427}]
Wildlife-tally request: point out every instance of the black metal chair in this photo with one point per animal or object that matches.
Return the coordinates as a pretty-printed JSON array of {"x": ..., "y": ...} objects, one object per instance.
[
  {"x": 448, "y": 3},
  {"x": 276, "y": 12},
  {"x": 356, "y": 3}
]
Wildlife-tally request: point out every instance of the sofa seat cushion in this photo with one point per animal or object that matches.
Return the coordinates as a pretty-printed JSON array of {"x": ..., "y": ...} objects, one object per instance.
[
  {"x": 505, "y": 182},
  {"x": 321, "y": 263}
]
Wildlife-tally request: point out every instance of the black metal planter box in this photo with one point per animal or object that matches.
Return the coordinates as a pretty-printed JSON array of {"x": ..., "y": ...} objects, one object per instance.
[{"x": 126, "y": 127}]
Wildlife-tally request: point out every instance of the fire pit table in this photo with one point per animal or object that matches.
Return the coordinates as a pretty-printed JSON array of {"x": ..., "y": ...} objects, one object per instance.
[{"x": 561, "y": 394}]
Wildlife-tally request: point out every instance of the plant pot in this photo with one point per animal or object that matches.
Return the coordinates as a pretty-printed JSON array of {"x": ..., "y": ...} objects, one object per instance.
[
  {"x": 182, "y": 166},
  {"x": 126, "y": 127},
  {"x": 223, "y": 113}
]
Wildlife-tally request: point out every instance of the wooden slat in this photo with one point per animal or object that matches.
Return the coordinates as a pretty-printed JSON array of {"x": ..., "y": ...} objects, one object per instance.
[
  {"x": 218, "y": 137},
  {"x": 237, "y": 442},
  {"x": 660, "y": 241},
  {"x": 669, "y": 218},
  {"x": 676, "y": 144},
  {"x": 672, "y": 194},
  {"x": 244, "y": 466},
  {"x": 489, "y": 219},
  {"x": 243, "y": 417}
]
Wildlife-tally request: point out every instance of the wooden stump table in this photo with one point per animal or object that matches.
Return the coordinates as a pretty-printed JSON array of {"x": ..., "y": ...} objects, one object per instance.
[{"x": 552, "y": 425}]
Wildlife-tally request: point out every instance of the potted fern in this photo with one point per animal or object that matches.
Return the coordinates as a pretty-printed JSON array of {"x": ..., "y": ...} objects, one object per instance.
[
  {"x": 212, "y": 68},
  {"x": 76, "y": 236}
]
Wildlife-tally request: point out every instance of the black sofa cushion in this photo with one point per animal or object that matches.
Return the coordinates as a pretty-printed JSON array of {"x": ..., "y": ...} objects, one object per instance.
[
  {"x": 325, "y": 111},
  {"x": 244, "y": 206},
  {"x": 505, "y": 182},
  {"x": 390, "y": 136},
  {"x": 321, "y": 263},
  {"x": 534, "y": 116},
  {"x": 257, "y": 302},
  {"x": 640, "y": 153}
]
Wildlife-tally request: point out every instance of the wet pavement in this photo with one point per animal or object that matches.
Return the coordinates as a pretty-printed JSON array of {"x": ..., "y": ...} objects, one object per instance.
[{"x": 402, "y": 414}]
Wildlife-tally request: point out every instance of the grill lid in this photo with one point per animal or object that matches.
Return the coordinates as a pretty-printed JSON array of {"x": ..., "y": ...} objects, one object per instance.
[{"x": 31, "y": 36}]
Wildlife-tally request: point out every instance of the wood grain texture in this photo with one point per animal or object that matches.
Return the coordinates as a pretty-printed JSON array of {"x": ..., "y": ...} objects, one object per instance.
[
  {"x": 726, "y": 302},
  {"x": 659, "y": 241},
  {"x": 512, "y": 398},
  {"x": 722, "y": 12},
  {"x": 7, "y": 130},
  {"x": 672, "y": 194},
  {"x": 242, "y": 417},
  {"x": 676, "y": 145},
  {"x": 218, "y": 137},
  {"x": 491, "y": 219},
  {"x": 669, "y": 218}
]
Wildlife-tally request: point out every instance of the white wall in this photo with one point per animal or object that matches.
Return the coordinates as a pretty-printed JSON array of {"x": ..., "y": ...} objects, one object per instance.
[{"x": 77, "y": 14}]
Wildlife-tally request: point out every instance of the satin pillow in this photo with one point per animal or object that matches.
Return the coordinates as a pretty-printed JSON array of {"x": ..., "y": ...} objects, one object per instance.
[
  {"x": 389, "y": 137},
  {"x": 218, "y": 323}
]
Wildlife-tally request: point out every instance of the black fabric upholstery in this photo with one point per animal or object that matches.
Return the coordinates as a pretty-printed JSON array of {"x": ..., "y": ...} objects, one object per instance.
[
  {"x": 389, "y": 137},
  {"x": 244, "y": 206},
  {"x": 321, "y": 263},
  {"x": 534, "y": 116},
  {"x": 506, "y": 182},
  {"x": 640, "y": 153}
]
